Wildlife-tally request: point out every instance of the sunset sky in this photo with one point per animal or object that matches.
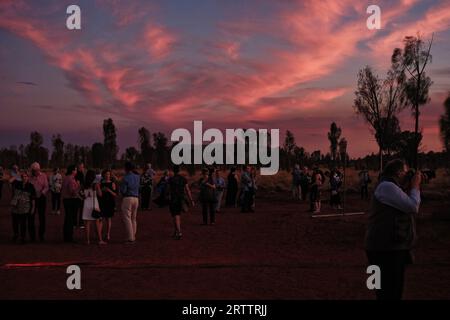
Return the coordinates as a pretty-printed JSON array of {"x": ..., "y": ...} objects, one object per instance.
[{"x": 163, "y": 64}]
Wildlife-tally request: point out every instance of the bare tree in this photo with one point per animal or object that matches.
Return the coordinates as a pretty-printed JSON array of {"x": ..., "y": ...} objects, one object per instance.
[
  {"x": 379, "y": 101},
  {"x": 414, "y": 58}
]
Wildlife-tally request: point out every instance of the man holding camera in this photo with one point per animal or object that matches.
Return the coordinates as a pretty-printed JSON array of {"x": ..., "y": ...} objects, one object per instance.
[{"x": 391, "y": 231}]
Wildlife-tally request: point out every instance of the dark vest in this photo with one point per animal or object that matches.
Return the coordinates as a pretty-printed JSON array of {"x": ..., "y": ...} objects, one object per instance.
[{"x": 389, "y": 228}]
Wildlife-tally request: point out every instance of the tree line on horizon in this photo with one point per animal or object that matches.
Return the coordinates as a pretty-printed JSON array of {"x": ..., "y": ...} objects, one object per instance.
[{"x": 154, "y": 148}]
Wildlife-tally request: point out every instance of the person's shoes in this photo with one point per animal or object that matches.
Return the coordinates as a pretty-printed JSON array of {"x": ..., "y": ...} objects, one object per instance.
[
  {"x": 178, "y": 236},
  {"x": 130, "y": 242},
  {"x": 102, "y": 243}
]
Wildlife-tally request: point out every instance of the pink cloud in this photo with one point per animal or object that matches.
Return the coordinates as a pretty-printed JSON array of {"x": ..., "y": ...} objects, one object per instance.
[{"x": 158, "y": 40}]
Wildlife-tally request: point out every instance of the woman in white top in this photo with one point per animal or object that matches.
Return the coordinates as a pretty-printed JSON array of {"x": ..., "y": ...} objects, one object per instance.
[{"x": 91, "y": 192}]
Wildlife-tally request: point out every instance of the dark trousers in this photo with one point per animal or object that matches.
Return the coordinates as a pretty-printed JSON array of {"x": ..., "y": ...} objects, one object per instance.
[
  {"x": 78, "y": 216},
  {"x": 211, "y": 207},
  {"x": 41, "y": 205},
  {"x": 335, "y": 199},
  {"x": 230, "y": 200},
  {"x": 19, "y": 222},
  {"x": 364, "y": 192},
  {"x": 56, "y": 201},
  {"x": 392, "y": 265},
  {"x": 304, "y": 191},
  {"x": 70, "y": 214},
  {"x": 1, "y": 188},
  {"x": 247, "y": 201},
  {"x": 146, "y": 195}
]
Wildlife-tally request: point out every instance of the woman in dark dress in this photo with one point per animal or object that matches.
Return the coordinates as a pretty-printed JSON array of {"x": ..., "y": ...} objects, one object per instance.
[
  {"x": 232, "y": 188},
  {"x": 108, "y": 200},
  {"x": 207, "y": 196}
]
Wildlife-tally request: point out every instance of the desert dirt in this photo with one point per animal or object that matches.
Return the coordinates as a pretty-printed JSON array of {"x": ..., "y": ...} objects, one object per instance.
[{"x": 278, "y": 252}]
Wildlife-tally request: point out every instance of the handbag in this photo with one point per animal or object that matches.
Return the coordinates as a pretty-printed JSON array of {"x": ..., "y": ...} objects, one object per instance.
[{"x": 96, "y": 214}]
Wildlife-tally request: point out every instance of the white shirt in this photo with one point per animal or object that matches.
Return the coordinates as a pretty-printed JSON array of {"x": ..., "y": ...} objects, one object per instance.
[{"x": 390, "y": 194}]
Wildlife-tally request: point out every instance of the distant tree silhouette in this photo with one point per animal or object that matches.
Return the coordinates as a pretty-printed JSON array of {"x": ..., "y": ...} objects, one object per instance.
[
  {"x": 109, "y": 143},
  {"x": 9, "y": 156},
  {"x": 444, "y": 126},
  {"x": 145, "y": 145},
  {"x": 343, "y": 151},
  {"x": 289, "y": 147},
  {"x": 131, "y": 154},
  {"x": 161, "y": 150},
  {"x": 414, "y": 57},
  {"x": 98, "y": 155},
  {"x": 315, "y": 156},
  {"x": 300, "y": 155},
  {"x": 333, "y": 136},
  {"x": 34, "y": 151},
  {"x": 57, "y": 158}
]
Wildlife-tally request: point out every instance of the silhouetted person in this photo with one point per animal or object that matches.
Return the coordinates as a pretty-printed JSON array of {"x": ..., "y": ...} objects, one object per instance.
[
  {"x": 40, "y": 183},
  {"x": 391, "y": 229},
  {"x": 364, "y": 181},
  {"x": 129, "y": 189},
  {"x": 179, "y": 194},
  {"x": 232, "y": 188},
  {"x": 147, "y": 187},
  {"x": 92, "y": 192},
  {"x": 335, "y": 185},
  {"x": 70, "y": 193},
  {"x": 304, "y": 182},
  {"x": 220, "y": 189},
  {"x": 55, "y": 187},
  {"x": 107, "y": 200},
  {"x": 161, "y": 201},
  {"x": 207, "y": 196},
  {"x": 296, "y": 185},
  {"x": 22, "y": 206},
  {"x": 81, "y": 174},
  {"x": 247, "y": 188}
]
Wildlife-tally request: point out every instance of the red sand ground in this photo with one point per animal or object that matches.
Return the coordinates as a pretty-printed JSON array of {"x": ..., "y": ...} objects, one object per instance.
[{"x": 279, "y": 252}]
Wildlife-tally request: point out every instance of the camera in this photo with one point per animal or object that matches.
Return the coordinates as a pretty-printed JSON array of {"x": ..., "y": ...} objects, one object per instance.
[{"x": 427, "y": 174}]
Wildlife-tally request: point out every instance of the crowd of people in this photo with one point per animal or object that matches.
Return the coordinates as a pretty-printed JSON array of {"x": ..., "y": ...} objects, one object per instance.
[
  {"x": 312, "y": 182},
  {"x": 89, "y": 198}
]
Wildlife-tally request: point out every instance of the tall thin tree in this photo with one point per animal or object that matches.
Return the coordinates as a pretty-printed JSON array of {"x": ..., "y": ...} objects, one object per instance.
[
  {"x": 333, "y": 137},
  {"x": 415, "y": 57}
]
